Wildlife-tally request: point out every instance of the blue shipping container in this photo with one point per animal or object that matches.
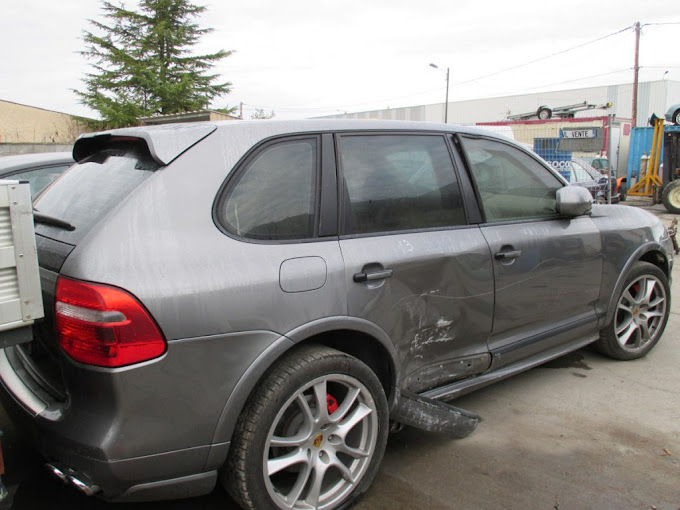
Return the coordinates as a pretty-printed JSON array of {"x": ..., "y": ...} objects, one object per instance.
[
  {"x": 641, "y": 143},
  {"x": 548, "y": 149}
]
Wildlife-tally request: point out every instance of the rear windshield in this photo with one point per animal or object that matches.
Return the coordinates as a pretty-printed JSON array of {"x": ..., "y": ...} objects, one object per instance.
[{"x": 87, "y": 191}]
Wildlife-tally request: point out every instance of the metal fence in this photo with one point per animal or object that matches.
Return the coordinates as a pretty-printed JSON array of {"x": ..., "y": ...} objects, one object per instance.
[{"x": 559, "y": 141}]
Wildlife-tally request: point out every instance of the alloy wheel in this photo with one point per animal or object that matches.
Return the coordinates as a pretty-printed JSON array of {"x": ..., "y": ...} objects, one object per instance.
[
  {"x": 640, "y": 313},
  {"x": 320, "y": 443}
]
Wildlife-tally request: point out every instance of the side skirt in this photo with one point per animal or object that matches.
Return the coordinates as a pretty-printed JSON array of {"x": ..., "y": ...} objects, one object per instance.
[{"x": 460, "y": 388}]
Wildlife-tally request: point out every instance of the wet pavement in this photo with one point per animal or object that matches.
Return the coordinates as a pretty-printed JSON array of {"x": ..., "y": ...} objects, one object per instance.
[{"x": 579, "y": 432}]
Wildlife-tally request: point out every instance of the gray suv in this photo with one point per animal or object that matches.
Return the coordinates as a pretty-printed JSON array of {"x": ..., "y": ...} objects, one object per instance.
[{"x": 255, "y": 302}]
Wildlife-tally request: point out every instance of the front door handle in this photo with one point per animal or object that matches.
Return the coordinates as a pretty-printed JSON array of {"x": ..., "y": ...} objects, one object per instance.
[
  {"x": 508, "y": 255},
  {"x": 373, "y": 275}
]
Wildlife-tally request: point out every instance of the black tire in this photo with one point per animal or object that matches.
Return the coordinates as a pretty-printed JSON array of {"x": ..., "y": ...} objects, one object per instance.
[
  {"x": 623, "y": 192},
  {"x": 670, "y": 197},
  {"x": 276, "y": 411},
  {"x": 676, "y": 117},
  {"x": 544, "y": 113},
  {"x": 633, "y": 316}
]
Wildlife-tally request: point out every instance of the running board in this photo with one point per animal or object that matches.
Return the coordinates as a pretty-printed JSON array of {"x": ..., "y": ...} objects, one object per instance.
[
  {"x": 460, "y": 388},
  {"x": 433, "y": 416}
]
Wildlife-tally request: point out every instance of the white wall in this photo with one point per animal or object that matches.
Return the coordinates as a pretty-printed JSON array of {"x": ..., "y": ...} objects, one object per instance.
[{"x": 652, "y": 97}]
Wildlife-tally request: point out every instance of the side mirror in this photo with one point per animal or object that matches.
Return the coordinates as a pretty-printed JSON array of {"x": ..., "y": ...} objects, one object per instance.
[{"x": 574, "y": 201}]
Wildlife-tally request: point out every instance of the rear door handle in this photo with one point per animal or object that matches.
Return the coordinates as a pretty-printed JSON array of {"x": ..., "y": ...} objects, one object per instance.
[
  {"x": 508, "y": 255},
  {"x": 373, "y": 275}
]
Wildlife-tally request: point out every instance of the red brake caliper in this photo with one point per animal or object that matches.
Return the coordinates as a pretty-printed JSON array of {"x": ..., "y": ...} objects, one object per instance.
[{"x": 331, "y": 403}]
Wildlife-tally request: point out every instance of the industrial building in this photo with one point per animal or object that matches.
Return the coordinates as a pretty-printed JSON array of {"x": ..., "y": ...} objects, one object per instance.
[
  {"x": 653, "y": 97},
  {"x": 547, "y": 136}
]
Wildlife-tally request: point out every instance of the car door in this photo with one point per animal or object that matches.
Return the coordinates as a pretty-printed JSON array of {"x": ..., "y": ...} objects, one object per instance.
[
  {"x": 547, "y": 269},
  {"x": 413, "y": 265}
]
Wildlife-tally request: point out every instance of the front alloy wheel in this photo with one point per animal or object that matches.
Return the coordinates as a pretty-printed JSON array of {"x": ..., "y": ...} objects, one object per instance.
[
  {"x": 640, "y": 316},
  {"x": 640, "y": 313}
]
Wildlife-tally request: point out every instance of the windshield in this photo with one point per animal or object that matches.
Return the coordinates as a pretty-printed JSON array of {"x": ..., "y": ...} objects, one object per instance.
[{"x": 93, "y": 187}]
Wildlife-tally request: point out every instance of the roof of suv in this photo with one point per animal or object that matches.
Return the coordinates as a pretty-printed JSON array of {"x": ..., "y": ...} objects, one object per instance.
[{"x": 166, "y": 142}]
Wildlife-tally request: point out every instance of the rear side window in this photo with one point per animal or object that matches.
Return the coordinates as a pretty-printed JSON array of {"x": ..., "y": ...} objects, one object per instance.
[
  {"x": 93, "y": 187},
  {"x": 274, "y": 194},
  {"x": 398, "y": 182}
]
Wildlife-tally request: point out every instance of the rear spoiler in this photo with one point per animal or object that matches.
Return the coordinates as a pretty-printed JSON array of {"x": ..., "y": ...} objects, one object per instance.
[{"x": 166, "y": 143}]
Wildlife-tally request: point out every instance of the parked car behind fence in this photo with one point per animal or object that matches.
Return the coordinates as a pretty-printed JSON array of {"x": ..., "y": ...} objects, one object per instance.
[{"x": 38, "y": 169}]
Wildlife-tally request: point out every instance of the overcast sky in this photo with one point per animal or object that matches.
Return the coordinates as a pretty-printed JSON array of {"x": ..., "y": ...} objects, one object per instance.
[{"x": 309, "y": 58}]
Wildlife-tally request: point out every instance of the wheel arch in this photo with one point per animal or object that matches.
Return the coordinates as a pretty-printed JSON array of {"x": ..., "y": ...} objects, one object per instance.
[
  {"x": 651, "y": 253},
  {"x": 357, "y": 337}
]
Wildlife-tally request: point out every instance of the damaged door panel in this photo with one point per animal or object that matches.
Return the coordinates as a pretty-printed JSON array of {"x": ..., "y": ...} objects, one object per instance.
[
  {"x": 437, "y": 305},
  {"x": 413, "y": 266}
]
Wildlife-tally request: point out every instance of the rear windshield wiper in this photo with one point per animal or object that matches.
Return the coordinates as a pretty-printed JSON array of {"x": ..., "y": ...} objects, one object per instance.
[{"x": 46, "y": 219}]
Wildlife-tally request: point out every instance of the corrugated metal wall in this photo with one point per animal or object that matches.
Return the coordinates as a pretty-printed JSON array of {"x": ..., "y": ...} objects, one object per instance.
[{"x": 653, "y": 97}]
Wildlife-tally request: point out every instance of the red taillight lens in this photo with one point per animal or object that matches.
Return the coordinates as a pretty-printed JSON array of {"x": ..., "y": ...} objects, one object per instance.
[{"x": 104, "y": 326}]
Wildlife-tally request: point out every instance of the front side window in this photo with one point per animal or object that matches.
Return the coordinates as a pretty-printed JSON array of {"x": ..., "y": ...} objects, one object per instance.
[
  {"x": 274, "y": 196},
  {"x": 511, "y": 184},
  {"x": 398, "y": 182}
]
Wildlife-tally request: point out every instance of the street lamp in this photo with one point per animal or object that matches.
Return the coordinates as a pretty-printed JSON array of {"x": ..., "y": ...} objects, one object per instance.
[{"x": 446, "y": 104}]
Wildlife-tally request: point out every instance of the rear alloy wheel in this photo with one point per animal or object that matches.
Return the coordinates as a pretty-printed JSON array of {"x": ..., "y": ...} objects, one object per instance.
[
  {"x": 312, "y": 435},
  {"x": 676, "y": 117},
  {"x": 641, "y": 314},
  {"x": 670, "y": 197}
]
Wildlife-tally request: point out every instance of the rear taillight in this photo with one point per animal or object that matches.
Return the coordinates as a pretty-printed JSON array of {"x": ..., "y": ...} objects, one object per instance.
[{"x": 104, "y": 326}]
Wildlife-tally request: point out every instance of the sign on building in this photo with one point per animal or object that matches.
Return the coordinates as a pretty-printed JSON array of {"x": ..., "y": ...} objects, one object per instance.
[{"x": 581, "y": 139}]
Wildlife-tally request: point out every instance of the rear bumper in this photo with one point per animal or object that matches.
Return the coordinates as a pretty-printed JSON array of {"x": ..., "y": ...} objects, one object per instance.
[
  {"x": 181, "y": 473},
  {"x": 144, "y": 432}
]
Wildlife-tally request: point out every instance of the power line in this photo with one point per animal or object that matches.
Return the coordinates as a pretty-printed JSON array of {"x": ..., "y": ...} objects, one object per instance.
[
  {"x": 495, "y": 73},
  {"x": 511, "y": 92},
  {"x": 488, "y": 75},
  {"x": 545, "y": 57},
  {"x": 572, "y": 81},
  {"x": 668, "y": 23}
]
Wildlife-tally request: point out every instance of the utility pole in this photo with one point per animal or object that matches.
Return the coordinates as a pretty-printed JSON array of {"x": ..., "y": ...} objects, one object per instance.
[
  {"x": 446, "y": 106},
  {"x": 636, "y": 71}
]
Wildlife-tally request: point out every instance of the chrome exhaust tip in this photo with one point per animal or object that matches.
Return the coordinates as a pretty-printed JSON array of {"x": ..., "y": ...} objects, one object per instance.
[
  {"x": 83, "y": 484},
  {"x": 58, "y": 471},
  {"x": 71, "y": 477}
]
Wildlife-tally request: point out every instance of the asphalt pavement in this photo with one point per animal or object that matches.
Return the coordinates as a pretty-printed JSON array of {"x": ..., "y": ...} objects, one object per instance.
[{"x": 582, "y": 431}]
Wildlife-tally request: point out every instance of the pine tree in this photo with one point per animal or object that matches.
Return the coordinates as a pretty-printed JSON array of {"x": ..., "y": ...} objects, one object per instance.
[{"x": 143, "y": 65}]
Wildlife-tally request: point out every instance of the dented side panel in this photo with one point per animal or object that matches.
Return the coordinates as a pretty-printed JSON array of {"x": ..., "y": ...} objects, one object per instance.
[{"x": 437, "y": 306}]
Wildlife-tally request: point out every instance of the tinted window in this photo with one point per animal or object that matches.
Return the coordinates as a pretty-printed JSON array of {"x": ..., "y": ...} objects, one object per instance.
[
  {"x": 40, "y": 178},
  {"x": 398, "y": 182},
  {"x": 512, "y": 184},
  {"x": 275, "y": 194},
  {"x": 91, "y": 188}
]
